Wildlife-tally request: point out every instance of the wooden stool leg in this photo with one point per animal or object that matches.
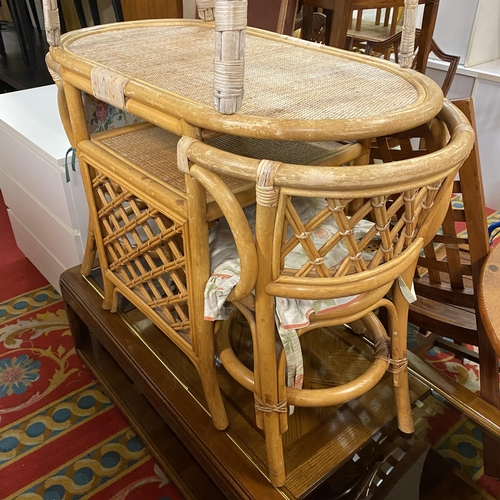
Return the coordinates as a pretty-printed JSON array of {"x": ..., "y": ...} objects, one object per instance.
[
  {"x": 35, "y": 15},
  {"x": 117, "y": 8},
  {"x": 61, "y": 17},
  {"x": 94, "y": 10},
  {"x": 81, "y": 13}
]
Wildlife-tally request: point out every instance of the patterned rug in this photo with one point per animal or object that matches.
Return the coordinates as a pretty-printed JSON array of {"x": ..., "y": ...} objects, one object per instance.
[
  {"x": 60, "y": 435},
  {"x": 61, "y": 430}
]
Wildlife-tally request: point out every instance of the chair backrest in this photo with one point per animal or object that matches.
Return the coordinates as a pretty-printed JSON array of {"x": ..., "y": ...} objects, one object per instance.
[
  {"x": 450, "y": 267},
  {"x": 307, "y": 207},
  {"x": 393, "y": 43}
]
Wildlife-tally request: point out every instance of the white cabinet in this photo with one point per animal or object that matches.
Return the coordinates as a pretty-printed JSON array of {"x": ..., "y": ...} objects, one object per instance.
[{"x": 49, "y": 216}]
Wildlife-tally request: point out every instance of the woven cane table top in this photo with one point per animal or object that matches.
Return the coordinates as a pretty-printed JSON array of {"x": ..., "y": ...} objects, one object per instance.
[{"x": 293, "y": 89}]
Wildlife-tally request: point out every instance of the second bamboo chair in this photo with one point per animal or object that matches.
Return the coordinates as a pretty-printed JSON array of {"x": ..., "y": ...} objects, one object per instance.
[{"x": 319, "y": 265}]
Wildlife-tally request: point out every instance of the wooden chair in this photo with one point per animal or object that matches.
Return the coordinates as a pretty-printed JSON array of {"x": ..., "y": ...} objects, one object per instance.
[
  {"x": 313, "y": 256},
  {"x": 310, "y": 27},
  {"x": 363, "y": 29},
  {"x": 340, "y": 13},
  {"x": 447, "y": 286},
  {"x": 392, "y": 46},
  {"x": 316, "y": 26}
]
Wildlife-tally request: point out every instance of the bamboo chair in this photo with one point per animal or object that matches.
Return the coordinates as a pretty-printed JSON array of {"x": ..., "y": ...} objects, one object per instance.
[{"x": 405, "y": 202}]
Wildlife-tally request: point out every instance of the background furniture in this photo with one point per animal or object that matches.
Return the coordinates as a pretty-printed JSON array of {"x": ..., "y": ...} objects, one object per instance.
[
  {"x": 24, "y": 29},
  {"x": 153, "y": 9},
  {"x": 448, "y": 286},
  {"x": 94, "y": 11},
  {"x": 48, "y": 214},
  {"x": 340, "y": 13},
  {"x": 376, "y": 29},
  {"x": 489, "y": 288}
]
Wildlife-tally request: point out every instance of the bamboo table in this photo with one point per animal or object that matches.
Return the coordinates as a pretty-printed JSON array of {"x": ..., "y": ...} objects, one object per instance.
[
  {"x": 489, "y": 295},
  {"x": 162, "y": 72},
  {"x": 294, "y": 90}
]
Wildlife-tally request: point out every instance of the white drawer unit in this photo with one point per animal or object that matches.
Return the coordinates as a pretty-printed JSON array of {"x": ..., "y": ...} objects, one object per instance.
[{"x": 49, "y": 216}]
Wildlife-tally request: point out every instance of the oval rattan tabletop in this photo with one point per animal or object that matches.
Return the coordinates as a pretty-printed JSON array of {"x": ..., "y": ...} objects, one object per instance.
[{"x": 294, "y": 90}]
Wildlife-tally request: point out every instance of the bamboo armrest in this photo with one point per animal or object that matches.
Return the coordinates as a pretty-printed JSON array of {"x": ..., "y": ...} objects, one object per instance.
[{"x": 239, "y": 226}]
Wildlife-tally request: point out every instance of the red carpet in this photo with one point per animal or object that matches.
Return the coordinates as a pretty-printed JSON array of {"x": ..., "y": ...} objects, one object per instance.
[
  {"x": 18, "y": 274},
  {"x": 60, "y": 435}
]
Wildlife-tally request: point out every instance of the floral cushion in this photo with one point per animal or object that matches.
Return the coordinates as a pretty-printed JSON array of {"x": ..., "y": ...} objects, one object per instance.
[
  {"x": 290, "y": 313},
  {"x": 101, "y": 116}
]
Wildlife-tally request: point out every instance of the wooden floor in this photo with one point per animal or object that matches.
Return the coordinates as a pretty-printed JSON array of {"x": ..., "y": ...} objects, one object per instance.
[
  {"x": 13, "y": 71},
  {"x": 234, "y": 460}
]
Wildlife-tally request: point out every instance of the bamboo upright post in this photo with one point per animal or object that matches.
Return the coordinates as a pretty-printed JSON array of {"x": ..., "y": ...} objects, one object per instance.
[
  {"x": 408, "y": 36},
  {"x": 229, "y": 66},
  {"x": 52, "y": 23}
]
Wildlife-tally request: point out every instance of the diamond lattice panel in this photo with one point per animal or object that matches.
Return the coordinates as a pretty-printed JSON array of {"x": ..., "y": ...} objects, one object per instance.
[{"x": 145, "y": 250}]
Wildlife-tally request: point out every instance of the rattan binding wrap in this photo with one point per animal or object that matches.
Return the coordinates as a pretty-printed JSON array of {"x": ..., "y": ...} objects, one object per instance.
[
  {"x": 51, "y": 22},
  {"x": 229, "y": 65},
  {"x": 408, "y": 35}
]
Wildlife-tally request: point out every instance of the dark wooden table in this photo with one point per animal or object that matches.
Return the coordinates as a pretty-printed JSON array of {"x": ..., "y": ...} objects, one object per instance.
[
  {"x": 489, "y": 297},
  {"x": 159, "y": 391}
]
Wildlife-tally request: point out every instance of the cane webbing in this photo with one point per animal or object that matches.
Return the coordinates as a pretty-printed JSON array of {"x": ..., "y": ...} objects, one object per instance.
[
  {"x": 282, "y": 81},
  {"x": 154, "y": 151}
]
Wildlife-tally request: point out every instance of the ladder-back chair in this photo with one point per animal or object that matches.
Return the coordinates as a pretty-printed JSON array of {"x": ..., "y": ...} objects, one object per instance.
[{"x": 448, "y": 281}]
